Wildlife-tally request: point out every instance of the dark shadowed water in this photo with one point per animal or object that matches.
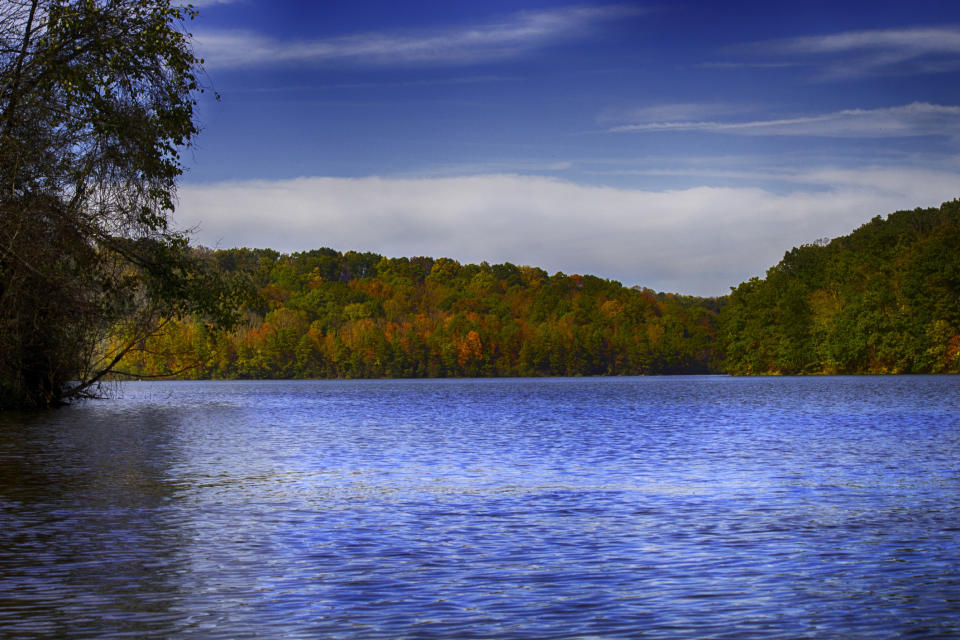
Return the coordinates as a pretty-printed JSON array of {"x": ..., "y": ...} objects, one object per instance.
[{"x": 562, "y": 508}]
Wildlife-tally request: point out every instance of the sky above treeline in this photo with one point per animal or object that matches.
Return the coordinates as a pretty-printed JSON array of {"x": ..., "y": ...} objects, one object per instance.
[{"x": 681, "y": 146}]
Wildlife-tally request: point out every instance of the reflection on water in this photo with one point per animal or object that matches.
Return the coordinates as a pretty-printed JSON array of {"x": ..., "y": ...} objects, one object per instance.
[
  {"x": 83, "y": 496},
  {"x": 560, "y": 508}
]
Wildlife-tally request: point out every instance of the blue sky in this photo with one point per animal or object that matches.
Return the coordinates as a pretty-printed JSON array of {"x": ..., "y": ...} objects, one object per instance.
[{"x": 682, "y": 146}]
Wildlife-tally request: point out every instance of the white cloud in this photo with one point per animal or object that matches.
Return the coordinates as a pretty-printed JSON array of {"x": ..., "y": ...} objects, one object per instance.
[
  {"x": 699, "y": 240},
  {"x": 682, "y": 111},
  {"x": 916, "y": 119},
  {"x": 904, "y": 51},
  {"x": 897, "y": 183},
  {"x": 912, "y": 41},
  {"x": 518, "y": 33}
]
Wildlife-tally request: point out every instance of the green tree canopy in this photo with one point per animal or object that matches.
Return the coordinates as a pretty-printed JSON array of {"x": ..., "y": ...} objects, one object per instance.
[{"x": 883, "y": 299}]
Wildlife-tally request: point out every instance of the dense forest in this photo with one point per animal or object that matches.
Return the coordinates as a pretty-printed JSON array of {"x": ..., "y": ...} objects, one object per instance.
[
  {"x": 327, "y": 314},
  {"x": 884, "y": 299}
]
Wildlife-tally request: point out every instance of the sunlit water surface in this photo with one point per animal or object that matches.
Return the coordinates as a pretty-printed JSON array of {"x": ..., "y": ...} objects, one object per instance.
[{"x": 561, "y": 508}]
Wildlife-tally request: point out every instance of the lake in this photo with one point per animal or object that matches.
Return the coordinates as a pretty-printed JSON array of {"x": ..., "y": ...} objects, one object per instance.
[{"x": 661, "y": 507}]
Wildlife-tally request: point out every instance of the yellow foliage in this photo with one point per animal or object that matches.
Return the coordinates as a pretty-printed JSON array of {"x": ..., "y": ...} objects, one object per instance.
[{"x": 611, "y": 308}]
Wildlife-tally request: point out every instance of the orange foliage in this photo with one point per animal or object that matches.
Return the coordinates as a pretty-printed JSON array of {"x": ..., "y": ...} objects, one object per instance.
[
  {"x": 469, "y": 349},
  {"x": 953, "y": 350}
]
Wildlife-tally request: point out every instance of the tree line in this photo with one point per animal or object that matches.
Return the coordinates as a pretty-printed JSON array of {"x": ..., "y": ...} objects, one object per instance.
[
  {"x": 883, "y": 299},
  {"x": 327, "y": 314}
]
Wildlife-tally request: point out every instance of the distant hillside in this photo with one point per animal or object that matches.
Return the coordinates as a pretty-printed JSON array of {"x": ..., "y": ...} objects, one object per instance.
[
  {"x": 884, "y": 299},
  {"x": 326, "y": 314}
]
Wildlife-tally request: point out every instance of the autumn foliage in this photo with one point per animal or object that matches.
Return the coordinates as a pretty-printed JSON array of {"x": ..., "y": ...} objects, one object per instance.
[
  {"x": 884, "y": 299},
  {"x": 326, "y": 314}
]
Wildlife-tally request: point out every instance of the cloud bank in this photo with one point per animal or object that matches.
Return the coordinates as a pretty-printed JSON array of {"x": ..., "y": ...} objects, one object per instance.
[
  {"x": 519, "y": 33},
  {"x": 696, "y": 241}
]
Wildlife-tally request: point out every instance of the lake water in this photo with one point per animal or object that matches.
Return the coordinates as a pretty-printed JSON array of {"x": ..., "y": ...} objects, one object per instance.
[{"x": 670, "y": 507}]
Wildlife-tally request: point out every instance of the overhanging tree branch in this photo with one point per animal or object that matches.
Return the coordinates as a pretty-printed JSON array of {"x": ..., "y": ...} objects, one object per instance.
[{"x": 97, "y": 98}]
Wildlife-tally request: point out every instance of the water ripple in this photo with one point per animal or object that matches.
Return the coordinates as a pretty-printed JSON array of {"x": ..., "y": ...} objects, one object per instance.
[{"x": 607, "y": 508}]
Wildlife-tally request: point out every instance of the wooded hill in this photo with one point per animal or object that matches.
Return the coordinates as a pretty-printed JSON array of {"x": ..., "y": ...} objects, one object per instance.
[
  {"x": 884, "y": 299},
  {"x": 326, "y": 314}
]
